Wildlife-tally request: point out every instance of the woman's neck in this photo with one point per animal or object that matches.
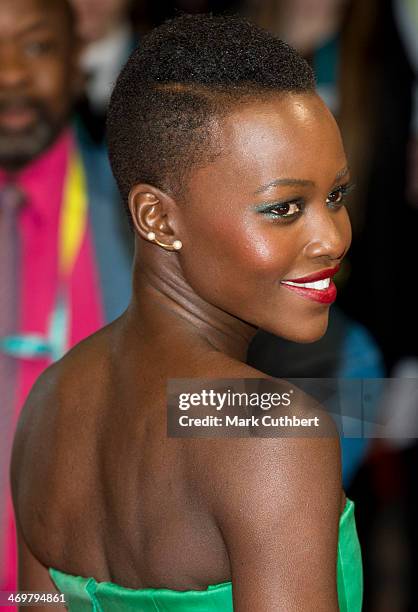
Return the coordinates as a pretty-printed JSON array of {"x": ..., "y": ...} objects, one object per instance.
[{"x": 165, "y": 302}]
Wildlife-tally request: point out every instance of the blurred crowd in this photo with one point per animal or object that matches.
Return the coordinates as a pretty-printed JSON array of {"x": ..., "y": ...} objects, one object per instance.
[{"x": 66, "y": 246}]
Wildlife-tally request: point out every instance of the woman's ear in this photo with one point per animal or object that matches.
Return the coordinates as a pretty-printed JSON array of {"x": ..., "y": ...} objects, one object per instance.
[{"x": 152, "y": 213}]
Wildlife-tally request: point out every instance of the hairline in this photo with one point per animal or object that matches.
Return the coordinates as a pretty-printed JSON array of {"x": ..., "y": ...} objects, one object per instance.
[{"x": 236, "y": 101}]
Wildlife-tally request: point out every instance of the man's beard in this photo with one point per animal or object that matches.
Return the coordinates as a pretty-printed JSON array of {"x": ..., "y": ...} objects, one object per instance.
[{"x": 19, "y": 146}]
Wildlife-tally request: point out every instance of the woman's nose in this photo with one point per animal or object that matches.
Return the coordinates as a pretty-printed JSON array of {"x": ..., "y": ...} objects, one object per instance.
[{"x": 329, "y": 235}]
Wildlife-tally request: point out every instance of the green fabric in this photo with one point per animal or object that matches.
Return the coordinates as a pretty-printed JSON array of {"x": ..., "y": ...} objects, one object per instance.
[
  {"x": 86, "y": 595},
  {"x": 349, "y": 565}
]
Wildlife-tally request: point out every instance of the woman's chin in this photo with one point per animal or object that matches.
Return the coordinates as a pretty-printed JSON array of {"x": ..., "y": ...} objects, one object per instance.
[
  {"x": 309, "y": 339},
  {"x": 307, "y": 333}
]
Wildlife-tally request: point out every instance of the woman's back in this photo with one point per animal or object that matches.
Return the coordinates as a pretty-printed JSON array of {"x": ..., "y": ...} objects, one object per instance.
[{"x": 107, "y": 479}]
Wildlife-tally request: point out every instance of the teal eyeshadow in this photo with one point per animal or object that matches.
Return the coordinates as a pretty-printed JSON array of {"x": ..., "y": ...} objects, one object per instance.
[{"x": 270, "y": 206}]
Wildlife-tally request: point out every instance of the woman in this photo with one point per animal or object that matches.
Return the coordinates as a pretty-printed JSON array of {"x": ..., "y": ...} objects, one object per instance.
[{"x": 235, "y": 176}]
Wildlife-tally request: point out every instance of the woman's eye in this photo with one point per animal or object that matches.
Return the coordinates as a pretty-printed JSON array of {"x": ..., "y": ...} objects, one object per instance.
[
  {"x": 287, "y": 209},
  {"x": 337, "y": 196}
]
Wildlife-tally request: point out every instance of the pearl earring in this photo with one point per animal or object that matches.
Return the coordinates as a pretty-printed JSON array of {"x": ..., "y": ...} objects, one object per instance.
[{"x": 176, "y": 246}]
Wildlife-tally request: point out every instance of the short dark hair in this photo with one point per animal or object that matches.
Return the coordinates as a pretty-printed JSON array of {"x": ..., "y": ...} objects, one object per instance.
[{"x": 183, "y": 76}]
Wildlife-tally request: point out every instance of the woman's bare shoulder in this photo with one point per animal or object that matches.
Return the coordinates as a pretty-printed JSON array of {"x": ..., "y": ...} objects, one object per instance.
[
  {"x": 271, "y": 457},
  {"x": 214, "y": 364},
  {"x": 284, "y": 468},
  {"x": 220, "y": 367}
]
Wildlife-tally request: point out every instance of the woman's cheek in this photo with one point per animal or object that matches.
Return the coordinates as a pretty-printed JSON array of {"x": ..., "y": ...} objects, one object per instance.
[{"x": 269, "y": 251}]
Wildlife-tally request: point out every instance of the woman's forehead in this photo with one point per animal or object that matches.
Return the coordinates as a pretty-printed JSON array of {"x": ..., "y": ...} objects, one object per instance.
[
  {"x": 290, "y": 135},
  {"x": 279, "y": 125}
]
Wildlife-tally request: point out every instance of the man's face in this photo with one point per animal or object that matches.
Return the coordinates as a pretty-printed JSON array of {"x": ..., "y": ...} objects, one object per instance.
[
  {"x": 96, "y": 18},
  {"x": 37, "y": 77}
]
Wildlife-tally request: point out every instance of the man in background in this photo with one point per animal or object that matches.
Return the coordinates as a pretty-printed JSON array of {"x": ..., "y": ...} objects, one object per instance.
[
  {"x": 64, "y": 251},
  {"x": 105, "y": 31}
]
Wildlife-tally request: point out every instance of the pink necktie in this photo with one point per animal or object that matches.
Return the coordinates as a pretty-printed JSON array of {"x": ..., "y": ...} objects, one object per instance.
[{"x": 11, "y": 200}]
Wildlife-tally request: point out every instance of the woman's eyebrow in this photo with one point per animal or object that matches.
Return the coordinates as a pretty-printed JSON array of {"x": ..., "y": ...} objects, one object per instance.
[
  {"x": 283, "y": 181},
  {"x": 298, "y": 182},
  {"x": 341, "y": 174}
]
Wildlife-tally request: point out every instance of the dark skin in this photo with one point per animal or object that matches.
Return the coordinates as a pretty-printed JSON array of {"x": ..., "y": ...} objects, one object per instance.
[
  {"x": 39, "y": 77},
  {"x": 143, "y": 510}
]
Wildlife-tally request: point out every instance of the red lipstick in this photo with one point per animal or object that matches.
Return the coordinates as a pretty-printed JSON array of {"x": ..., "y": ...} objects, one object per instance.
[
  {"x": 324, "y": 296},
  {"x": 310, "y": 278}
]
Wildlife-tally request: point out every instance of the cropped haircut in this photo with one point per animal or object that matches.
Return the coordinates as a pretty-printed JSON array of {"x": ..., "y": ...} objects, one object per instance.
[{"x": 182, "y": 79}]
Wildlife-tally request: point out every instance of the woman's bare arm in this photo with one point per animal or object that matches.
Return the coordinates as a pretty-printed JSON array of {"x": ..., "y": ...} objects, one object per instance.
[{"x": 277, "y": 503}]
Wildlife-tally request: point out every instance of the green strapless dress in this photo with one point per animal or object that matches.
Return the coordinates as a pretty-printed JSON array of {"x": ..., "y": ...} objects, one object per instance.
[{"x": 87, "y": 595}]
